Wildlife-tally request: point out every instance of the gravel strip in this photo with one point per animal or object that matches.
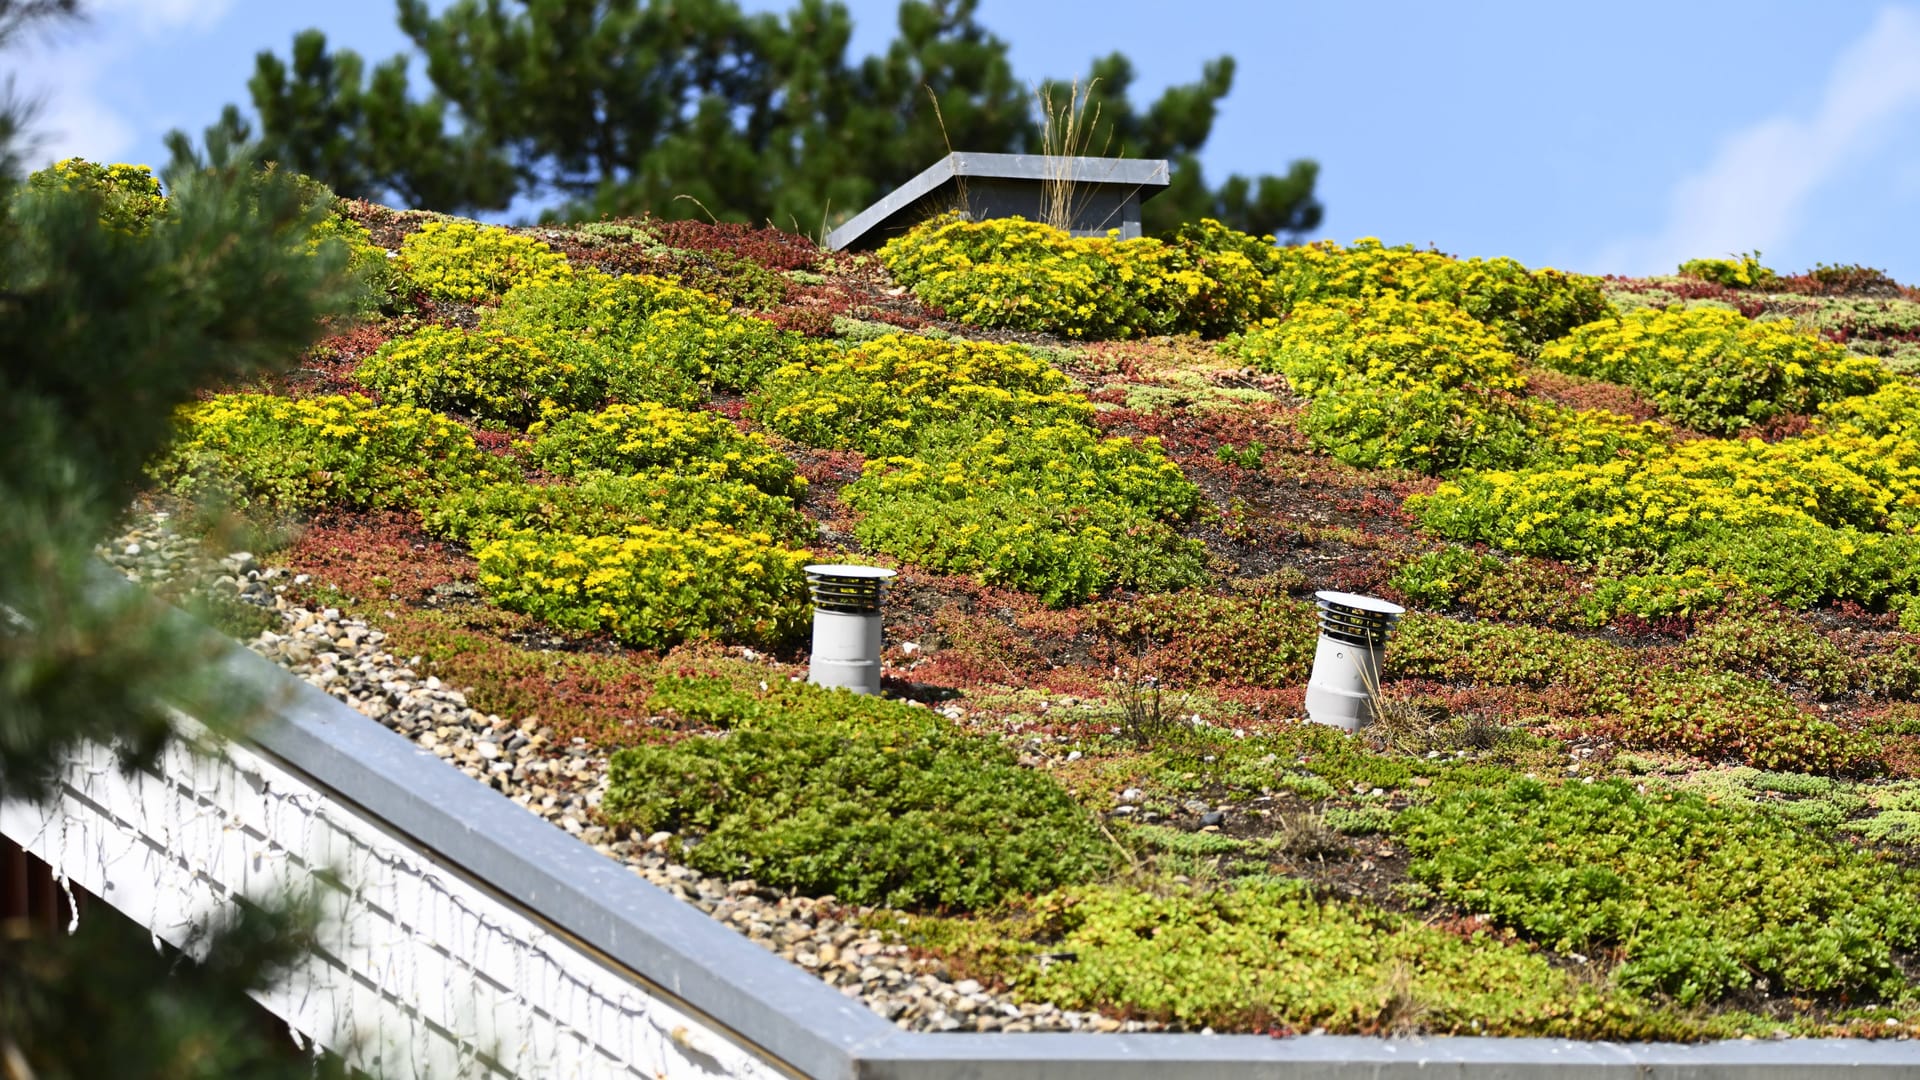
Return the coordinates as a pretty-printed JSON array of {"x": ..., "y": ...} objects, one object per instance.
[{"x": 347, "y": 658}]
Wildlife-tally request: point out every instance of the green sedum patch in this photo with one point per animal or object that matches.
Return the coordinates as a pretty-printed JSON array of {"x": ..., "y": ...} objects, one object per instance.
[
  {"x": 651, "y": 331},
  {"x": 1260, "y": 638},
  {"x": 870, "y": 800},
  {"x": 1270, "y": 955},
  {"x": 367, "y": 263},
  {"x": 1053, "y": 510},
  {"x": 1699, "y": 902},
  {"x": 984, "y": 464},
  {"x": 1397, "y": 383},
  {"x": 879, "y": 396},
  {"x": 1713, "y": 714}
]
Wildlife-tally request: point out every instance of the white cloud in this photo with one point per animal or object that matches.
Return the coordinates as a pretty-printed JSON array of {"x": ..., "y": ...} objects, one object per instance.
[
  {"x": 1751, "y": 194},
  {"x": 63, "y": 71},
  {"x": 71, "y": 117},
  {"x": 80, "y": 125},
  {"x": 156, "y": 15}
]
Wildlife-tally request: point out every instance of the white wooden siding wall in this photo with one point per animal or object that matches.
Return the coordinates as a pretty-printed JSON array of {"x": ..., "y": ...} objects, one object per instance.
[{"x": 418, "y": 972}]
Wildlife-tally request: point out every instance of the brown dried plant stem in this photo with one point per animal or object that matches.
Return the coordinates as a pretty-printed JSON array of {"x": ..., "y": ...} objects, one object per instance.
[{"x": 1066, "y": 132}]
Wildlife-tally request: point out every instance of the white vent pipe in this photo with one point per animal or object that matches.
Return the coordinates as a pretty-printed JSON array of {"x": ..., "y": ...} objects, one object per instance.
[
  {"x": 1346, "y": 664},
  {"x": 846, "y": 626}
]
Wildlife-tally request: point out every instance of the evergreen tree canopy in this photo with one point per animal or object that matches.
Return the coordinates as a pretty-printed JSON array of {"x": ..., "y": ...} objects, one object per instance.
[
  {"x": 116, "y": 306},
  {"x": 687, "y": 107}
]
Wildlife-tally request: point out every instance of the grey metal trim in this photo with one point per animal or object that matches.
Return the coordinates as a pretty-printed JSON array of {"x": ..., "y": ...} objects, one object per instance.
[
  {"x": 1127, "y": 172},
  {"x": 1347, "y": 1057},
  {"x": 768, "y": 1003},
  {"x": 1148, "y": 174},
  {"x": 760, "y": 998}
]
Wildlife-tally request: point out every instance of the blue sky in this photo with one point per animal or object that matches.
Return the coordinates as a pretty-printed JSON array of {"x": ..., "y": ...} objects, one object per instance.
[{"x": 1617, "y": 138}]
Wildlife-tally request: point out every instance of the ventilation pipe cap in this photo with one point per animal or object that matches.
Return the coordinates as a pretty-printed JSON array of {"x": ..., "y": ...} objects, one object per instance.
[
  {"x": 1356, "y": 619},
  {"x": 1346, "y": 663},
  {"x": 847, "y": 588},
  {"x": 846, "y": 625}
]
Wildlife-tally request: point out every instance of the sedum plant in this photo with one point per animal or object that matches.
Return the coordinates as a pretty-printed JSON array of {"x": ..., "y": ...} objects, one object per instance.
[
  {"x": 464, "y": 261},
  {"x": 652, "y": 588},
  {"x": 868, "y": 799},
  {"x": 128, "y": 197},
  {"x": 1712, "y": 369},
  {"x": 878, "y": 395},
  {"x": 652, "y": 331},
  {"x": 500, "y": 380},
  {"x": 1700, "y": 902},
  {"x": 1051, "y": 510},
  {"x": 605, "y": 504},
  {"x": 1397, "y": 383},
  {"x": 633, "y": 438},
  {"x": 1739, "y": 272},
  {"x": 1266, "y": 953},
  {"x": 1525, "y": 307},
  {"x": 337, "y": 450},
  {"x": 1008, "y": 272}
]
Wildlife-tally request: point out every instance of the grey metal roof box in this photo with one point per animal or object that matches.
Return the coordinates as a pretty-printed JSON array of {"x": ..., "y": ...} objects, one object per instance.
[{"x": 1107, "y": 195}]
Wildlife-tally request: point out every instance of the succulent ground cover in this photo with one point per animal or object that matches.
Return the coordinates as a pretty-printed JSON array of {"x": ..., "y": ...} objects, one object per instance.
[{"x": 1648, "y": 751}]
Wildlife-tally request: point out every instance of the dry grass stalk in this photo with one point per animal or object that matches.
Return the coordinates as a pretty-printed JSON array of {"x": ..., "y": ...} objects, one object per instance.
[
  {"x": 960, "y": 202},
  {"x": 1305, "y": 834},
  {"x": 1066, "y": 132},
  {"x": 1148, "y": 709}
]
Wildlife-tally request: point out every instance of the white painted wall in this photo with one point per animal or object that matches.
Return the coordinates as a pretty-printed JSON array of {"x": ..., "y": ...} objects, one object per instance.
[{"x": 419, "y": 972}]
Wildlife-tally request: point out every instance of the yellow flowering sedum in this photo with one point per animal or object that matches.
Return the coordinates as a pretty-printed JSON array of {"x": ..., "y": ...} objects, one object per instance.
[
  {"x": 1894, "y": 410},
  {"x": 657, "y": 336},
  {"x": 1739, "y": 272},
  {"x": 461, "y": 260},
  {"x": 1526, "y": 307},
  {"x": 1397, "y": 383},
  {"x": 1023, "y": 274},
  {"x": 643, "y": 436},
  {"x": 592, "y": 304},
  {"x": 606, "y": 504},
  {"x": 340, "y": 449},
  {"x": 1831, "y": 514},
  {"x": 1211, "y": 280},
  {"x": 498, "y": 379},
  {"x": 652, "y": 588},
  {"x": 1593, "y": 436},
  {"x": 129, "y": 195},
  {"x": 1712, "y": 369},
  {"x": 877, "y": 395},
  {"x": 713, "y": 348},
  {"x": 1658, "y": 500}
]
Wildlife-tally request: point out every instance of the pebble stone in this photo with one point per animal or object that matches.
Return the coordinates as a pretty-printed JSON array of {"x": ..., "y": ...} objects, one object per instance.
[{"x": 522, "y": 760}]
